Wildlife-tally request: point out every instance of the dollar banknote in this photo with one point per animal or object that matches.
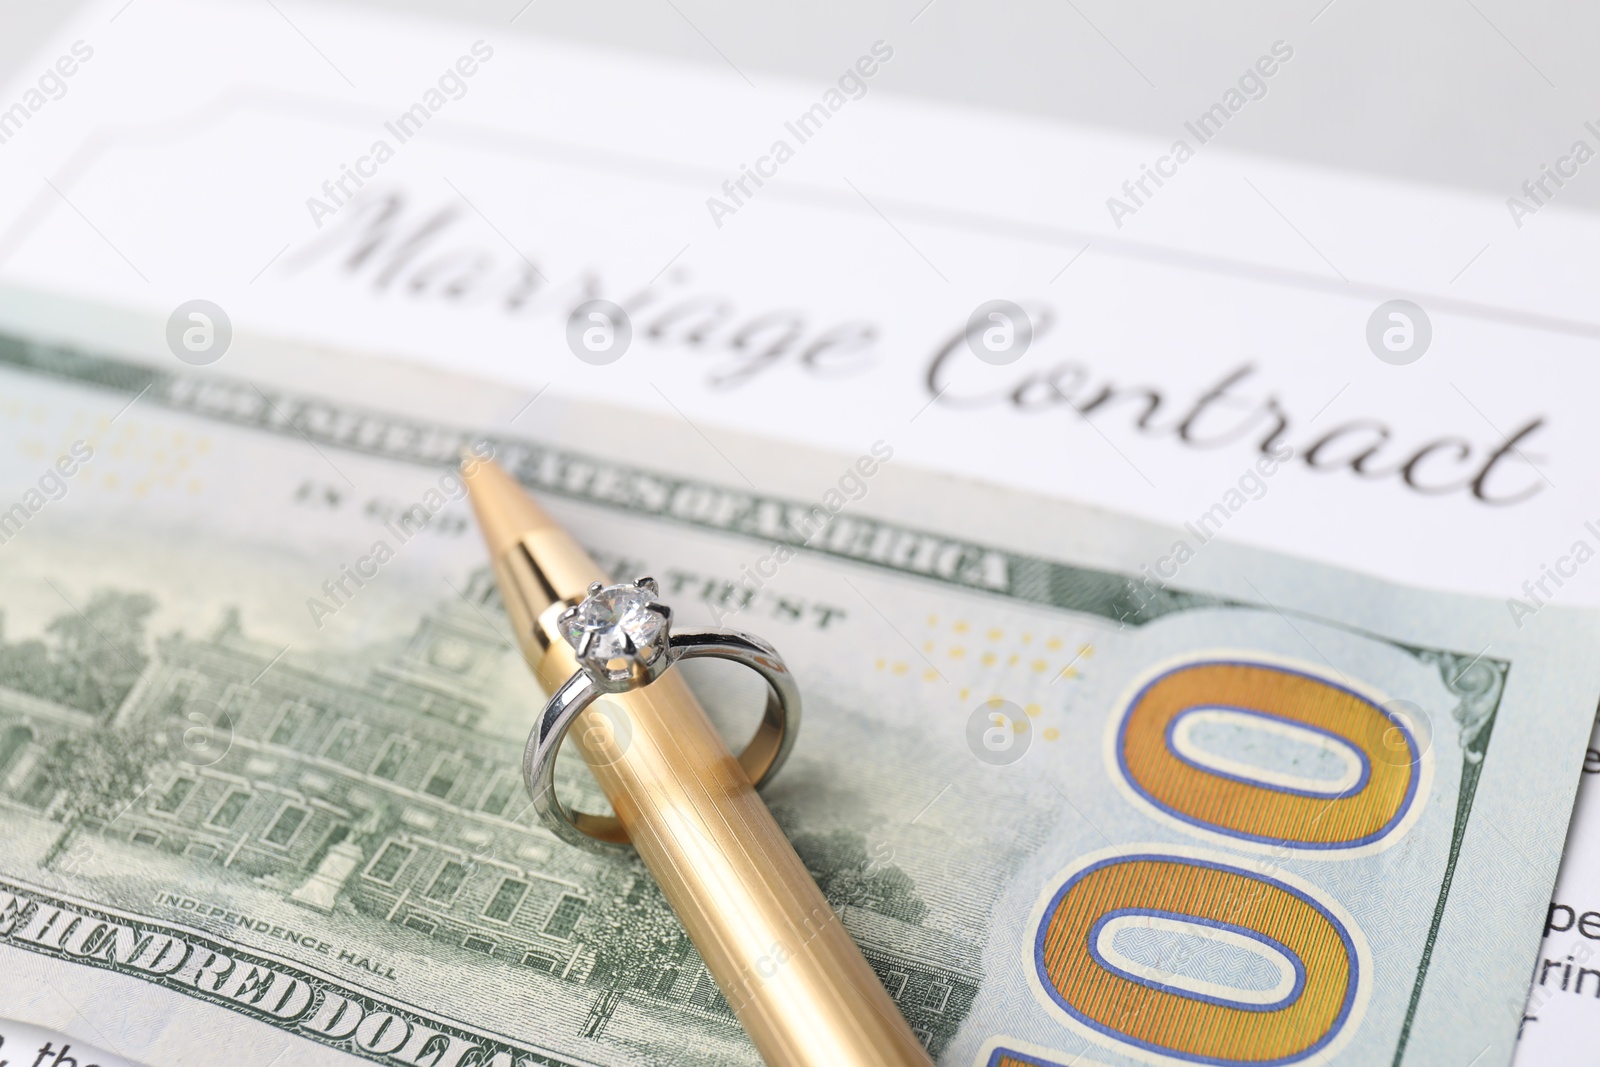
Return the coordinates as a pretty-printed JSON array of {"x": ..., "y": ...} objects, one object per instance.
[{"x": 1084, "y": 790}]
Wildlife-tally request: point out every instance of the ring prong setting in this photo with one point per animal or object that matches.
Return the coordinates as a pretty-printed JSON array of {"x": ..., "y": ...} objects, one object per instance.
[{"x": 620, "y": 633}]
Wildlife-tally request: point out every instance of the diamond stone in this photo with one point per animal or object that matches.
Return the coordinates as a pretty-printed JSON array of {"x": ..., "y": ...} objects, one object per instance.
[{"x": 610, "y": 619}]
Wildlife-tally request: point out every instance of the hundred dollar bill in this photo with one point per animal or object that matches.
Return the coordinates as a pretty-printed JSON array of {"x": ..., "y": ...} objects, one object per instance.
[{"x": 1085, "y": 790}]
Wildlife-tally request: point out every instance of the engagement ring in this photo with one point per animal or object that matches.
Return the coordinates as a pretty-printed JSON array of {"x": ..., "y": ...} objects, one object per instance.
[{"x": 622, "y": 637}]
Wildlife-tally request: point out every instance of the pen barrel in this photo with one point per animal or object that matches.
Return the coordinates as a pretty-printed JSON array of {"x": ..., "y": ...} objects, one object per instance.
[{"x": 789, "y": 970}]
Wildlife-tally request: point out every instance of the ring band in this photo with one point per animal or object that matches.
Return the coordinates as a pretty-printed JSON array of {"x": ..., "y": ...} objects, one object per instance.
[{"x": 761, "y": 758}]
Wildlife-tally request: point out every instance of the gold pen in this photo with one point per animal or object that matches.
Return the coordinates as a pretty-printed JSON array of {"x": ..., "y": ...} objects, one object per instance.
[{"x": 792, "y": 975}]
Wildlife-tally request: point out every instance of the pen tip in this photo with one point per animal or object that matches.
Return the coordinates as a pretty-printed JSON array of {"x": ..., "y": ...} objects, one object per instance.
[{"x": 505, "y": 511}]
